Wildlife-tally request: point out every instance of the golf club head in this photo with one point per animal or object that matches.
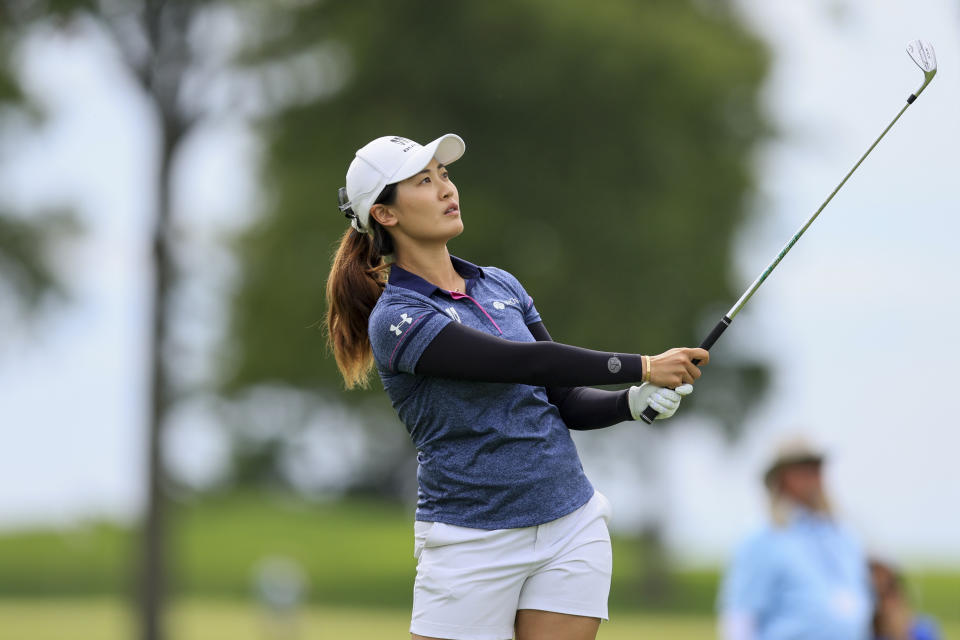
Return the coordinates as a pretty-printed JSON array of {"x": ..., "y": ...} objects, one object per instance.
[{"x": 922, "y": 53}]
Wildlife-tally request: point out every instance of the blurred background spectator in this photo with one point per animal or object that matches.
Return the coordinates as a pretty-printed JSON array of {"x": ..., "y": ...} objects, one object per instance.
[
  {"x": 893, "y": 616},
  {"x": 803, "y": 576}
]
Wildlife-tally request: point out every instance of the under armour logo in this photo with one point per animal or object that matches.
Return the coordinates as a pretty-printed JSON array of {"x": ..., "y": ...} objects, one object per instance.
[{"x": 404, "y": 318}]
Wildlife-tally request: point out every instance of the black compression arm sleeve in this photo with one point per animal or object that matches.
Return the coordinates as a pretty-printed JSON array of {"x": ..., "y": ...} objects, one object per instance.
[
  {"x": 462, "y": 353},
  {"x": 584, "y": 408}
]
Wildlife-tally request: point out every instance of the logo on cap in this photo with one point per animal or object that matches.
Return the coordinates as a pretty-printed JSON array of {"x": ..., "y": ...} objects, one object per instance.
[{"x": 406, "y": 143}]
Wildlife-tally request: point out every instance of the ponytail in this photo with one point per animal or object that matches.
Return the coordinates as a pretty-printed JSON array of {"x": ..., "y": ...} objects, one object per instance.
[{"x": 358, "y": 276}]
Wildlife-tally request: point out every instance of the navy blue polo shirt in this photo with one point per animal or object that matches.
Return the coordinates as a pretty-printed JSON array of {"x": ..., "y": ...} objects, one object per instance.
[{"x": 492, "y": 455}]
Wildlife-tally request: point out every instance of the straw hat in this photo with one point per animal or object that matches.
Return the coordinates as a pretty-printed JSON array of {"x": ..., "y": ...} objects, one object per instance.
[{"x": 793, "y": 450}]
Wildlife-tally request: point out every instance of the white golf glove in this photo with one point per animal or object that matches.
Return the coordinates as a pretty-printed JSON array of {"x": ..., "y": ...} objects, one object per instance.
[{"x": 664, "y": 400}]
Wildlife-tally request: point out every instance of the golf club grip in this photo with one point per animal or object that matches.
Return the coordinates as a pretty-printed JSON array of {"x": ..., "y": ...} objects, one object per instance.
[{"x": 650, "y": 414}]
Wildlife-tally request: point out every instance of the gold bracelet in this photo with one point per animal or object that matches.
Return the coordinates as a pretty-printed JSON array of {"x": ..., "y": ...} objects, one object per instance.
[{"x": 646, "y": 373}]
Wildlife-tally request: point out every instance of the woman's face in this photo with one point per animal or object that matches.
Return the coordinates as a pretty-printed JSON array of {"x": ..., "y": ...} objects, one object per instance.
[{"x": 426, "y": 208}]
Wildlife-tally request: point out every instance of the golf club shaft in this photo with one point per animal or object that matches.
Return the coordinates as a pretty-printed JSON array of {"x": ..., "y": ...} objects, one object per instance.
[{"x": 649, "y": 414}]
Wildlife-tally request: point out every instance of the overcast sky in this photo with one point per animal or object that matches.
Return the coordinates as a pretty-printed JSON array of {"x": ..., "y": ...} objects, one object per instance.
[{"x": 857, "y": 322}]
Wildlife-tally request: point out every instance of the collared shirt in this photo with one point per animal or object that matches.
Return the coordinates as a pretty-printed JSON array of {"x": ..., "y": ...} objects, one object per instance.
[
  {"x": 491, "y": 455},
  {"x": 804, "y": 581}
]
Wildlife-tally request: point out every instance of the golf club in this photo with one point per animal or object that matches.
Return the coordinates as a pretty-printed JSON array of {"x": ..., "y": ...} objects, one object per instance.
[{"x": 923, "y": 55}]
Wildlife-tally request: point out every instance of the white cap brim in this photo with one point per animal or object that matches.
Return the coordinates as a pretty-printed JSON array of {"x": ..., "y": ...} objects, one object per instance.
[{"x": 446, "y": 149}]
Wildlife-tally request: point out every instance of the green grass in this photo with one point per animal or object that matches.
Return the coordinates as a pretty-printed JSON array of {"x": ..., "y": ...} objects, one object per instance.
[
  {"x": 92, "y": 559},
  {"x": 207, "y": 619},
  {"x": 201, "y": 619},
  {"x": 352, "y": 552},
  {"x": 357, "y": 554}
]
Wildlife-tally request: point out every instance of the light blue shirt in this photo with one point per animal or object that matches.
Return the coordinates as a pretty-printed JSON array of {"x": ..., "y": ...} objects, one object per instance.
[{"x": 807, "y": 580}]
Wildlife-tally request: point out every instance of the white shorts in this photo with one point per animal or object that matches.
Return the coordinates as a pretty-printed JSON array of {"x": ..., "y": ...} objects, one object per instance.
[{"x": 471, "y": 582}]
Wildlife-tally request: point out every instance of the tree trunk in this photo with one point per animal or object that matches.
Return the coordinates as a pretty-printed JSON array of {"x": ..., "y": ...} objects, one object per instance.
[
  {"x": 165, "y": 24},
  {"x": 154, "y": 561}
]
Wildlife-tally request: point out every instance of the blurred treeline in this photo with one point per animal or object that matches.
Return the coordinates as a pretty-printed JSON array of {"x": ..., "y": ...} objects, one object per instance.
[
  {"x": 608, "y": 166},
  {"x": 27, "y": 272},
  {"x": 608, "y": 163},
  {"x": 356, "y": 553}
]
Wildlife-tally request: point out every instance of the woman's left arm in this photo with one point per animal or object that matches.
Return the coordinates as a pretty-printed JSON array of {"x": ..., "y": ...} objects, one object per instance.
[{"x": 584, "y": 408}]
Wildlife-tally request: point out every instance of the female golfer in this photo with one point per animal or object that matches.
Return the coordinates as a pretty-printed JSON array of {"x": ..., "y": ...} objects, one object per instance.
[{"x": 510, "y": 536}]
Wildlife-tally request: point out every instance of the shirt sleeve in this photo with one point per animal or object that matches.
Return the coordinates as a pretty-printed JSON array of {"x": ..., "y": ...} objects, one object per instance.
[
  {"x": 400, "y": 330},
  {"x": 746, "y": 589},
  {"x": 530, "y": 313},
  {"x": 737, "y": 626}
]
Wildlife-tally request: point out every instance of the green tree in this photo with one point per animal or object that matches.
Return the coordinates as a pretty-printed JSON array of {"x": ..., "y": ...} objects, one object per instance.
[
  {"x": 157, "y": 43},
  {"x": 26, "y": 270},
  {"x": 608, "y": 166}
]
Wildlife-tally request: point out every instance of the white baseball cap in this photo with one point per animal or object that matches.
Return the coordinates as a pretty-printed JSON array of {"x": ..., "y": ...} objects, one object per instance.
[{"x": 387, "y": 160}]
